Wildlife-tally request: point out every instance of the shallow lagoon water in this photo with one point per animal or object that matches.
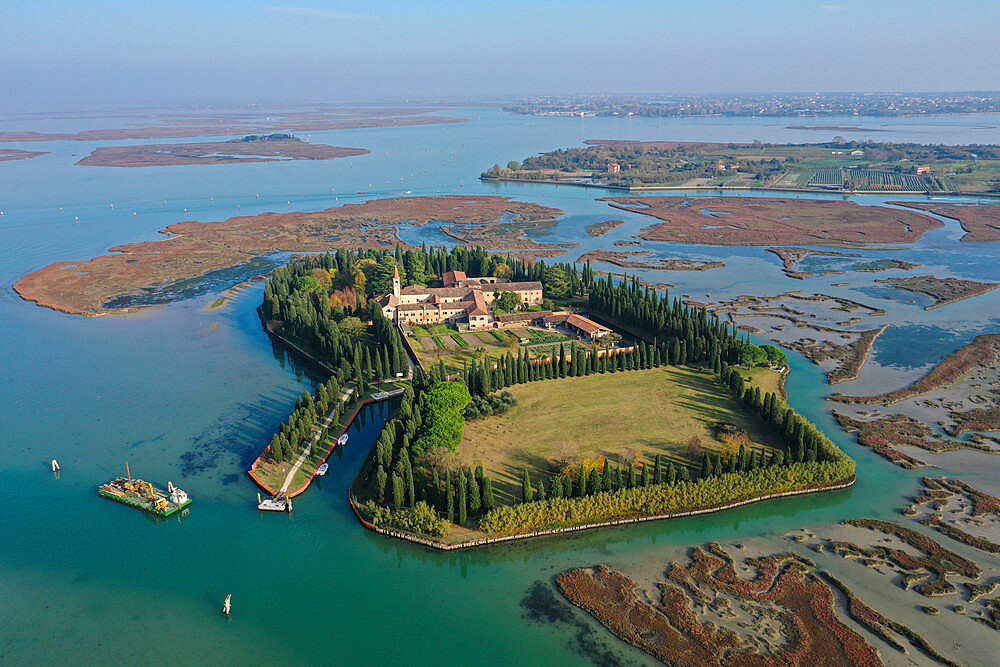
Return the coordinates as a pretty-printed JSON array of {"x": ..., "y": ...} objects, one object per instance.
[{"x": 191, "y": 396}]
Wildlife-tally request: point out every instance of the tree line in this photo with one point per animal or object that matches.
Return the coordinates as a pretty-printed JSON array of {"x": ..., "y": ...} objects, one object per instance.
[{"x": 300, "y": 427}]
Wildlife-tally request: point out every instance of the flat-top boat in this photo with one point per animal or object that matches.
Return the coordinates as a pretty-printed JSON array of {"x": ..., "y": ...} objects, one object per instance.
[
  {"x": 322, "y": 469},
  {"x": 143, "y": 495}
]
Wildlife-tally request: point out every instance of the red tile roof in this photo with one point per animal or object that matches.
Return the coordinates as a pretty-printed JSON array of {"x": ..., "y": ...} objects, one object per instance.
[{"x": 451, "y": 278}]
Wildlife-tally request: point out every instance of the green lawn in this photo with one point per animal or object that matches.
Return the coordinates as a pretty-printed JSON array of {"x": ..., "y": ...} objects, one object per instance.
[{"x": 640, "y": 414}]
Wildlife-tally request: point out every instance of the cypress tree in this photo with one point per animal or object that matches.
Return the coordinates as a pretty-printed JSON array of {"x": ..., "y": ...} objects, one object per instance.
[
  {"x": 594, "y": 483},
  {"x": 411, "y": 491},
  {"x": 435, "y": 495},
  {"x": 462, "y": 498},
  {"x": 555, "y": 487},
  {"x": 475, "y": 503},
  {"x": 487, "y": 494},
  {"x": 658, "y": 470},
  {"x": 450, "y": 492},
  {"x": 526, "y": 491},
  {"x": 619, "y": 480},
  {"x": 397, "y": 491},
  {"x": 606, "y": 476},
  {"x": 540, "y": 493},
  {"x": 583, "y": 480},
  {"x": 567, "y": 483},
  {"x": 380, "y": 480},
  {"x": 706, "y": 465},
  {"x": 630, "y": 476},
  {"x": 671, "y": 473},
  {"x": 646, "y": 477}
]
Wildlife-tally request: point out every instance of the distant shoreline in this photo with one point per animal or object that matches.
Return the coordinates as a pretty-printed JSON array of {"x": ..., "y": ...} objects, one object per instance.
[{"x": 656, "y": 188}]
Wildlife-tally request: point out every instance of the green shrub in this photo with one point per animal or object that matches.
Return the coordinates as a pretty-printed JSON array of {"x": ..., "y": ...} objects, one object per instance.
[
  {"x": 663, "y": 498},
  {"x": 420, "y": 519}
]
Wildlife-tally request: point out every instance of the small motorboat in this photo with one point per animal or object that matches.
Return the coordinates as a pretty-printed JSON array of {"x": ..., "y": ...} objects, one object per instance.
[
  {"x": 322, "y": 469},
  {"x": 227, "y": 605},
  {"x": 342, "y": 440}
]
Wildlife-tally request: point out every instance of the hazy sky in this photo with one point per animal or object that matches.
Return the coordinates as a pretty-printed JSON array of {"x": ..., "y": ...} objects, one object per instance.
[{"x": 101, "y": 54}]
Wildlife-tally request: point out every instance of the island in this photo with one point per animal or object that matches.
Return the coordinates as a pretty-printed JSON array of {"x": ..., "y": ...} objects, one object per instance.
[
  {"x": 836, "y": 166},
  {"x": 10, "y": 154},
  {"x": 259, "y": 122},
  {"x": 981, "y": 222},
  {"x": 958, "y": 395},
  {"x": 812, "y": 324},
  {"x": 834, "y": 262},
  {"x": 558, "y": 347},
  {"x": 704, "y": 612},
  {"x": 768, "y": 221},
  {"x": 142, "y": 273},
  {"x": 602, "y": 228},
  {"x": 251, "y": 148},
  {"x": 625, "y": 260},
  {"x": 943, "y": 291}
]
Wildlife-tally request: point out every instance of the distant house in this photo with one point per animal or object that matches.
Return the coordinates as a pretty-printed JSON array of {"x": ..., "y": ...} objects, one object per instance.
[
  {"x": 857, "y": 153},
  {"x": 614, "y": 168},
  {"x": 923, "y": 169}
]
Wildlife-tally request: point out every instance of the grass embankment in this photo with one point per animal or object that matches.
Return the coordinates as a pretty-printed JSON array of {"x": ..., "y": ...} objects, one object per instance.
[{"x": 622, "y": 416}]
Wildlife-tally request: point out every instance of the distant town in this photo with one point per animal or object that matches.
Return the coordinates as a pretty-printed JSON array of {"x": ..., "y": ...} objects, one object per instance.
[{"x": 761, "y": 104}]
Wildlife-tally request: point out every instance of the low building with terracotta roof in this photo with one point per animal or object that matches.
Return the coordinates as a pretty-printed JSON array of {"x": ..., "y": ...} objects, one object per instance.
[{"x": 579, "y": 324}]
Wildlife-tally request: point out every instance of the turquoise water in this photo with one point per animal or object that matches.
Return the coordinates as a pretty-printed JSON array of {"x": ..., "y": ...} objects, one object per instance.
[{"x": 191, "y": 396}]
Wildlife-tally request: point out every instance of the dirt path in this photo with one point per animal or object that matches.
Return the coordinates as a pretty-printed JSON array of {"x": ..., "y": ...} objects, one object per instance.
[{"x": 308, "y": 450}]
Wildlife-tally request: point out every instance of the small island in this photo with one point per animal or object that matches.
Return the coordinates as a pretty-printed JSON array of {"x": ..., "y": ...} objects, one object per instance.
[
  {"x": 835, "y": 166},
  {"x": 625, "y": 260},
  {"x": 981, "y": 222},
  {"x": 602, "y": 228},
  {"x": 692, "y": 617},
  {"x": 943, "y": 291},
  {"x": 142, "y": 273},
  {"x": 768, "y": 221},
  {"x": 261, "y": 122},
  {"x": 10, "y": 154},
  {"x": 958, "y": 395},
  {"x": 251, "y": 148},
  {"x": 791, "y": 257},
  {"x": 812, "y": 324}
]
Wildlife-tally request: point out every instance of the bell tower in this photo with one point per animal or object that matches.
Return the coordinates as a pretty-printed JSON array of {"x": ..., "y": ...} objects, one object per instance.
[{"x": 396, "y": 284}]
